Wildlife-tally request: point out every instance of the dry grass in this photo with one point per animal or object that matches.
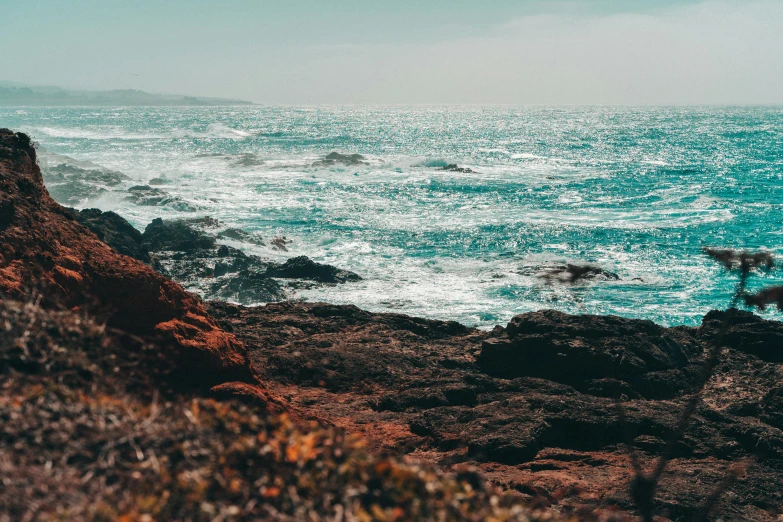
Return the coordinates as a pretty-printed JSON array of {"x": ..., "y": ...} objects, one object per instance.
[{"x": 86, "y": 433}]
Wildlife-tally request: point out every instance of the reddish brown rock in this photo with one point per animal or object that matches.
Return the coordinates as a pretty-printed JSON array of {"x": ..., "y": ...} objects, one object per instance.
[
  {"x": 426, "y": 389},
  {"x": 44, "y": 250}
]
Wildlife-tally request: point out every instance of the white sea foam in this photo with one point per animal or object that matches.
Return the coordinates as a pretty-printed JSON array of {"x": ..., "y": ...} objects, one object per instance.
[{"x": 438, "y": 243}]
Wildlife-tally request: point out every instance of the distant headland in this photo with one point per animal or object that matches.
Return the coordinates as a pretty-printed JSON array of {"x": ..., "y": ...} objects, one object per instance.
[{"x": 17, "y": 94}]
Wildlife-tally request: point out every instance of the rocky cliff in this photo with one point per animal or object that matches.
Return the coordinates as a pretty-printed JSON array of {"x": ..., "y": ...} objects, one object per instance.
[{"x": 46, "y": 255}]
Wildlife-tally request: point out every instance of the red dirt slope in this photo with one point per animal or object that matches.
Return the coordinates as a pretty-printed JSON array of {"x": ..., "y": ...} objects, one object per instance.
[{"x": 42, "y": 248}]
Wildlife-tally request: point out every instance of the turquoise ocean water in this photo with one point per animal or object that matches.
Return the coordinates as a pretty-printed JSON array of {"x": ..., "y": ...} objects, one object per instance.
[{"x": 636, "y": 191}]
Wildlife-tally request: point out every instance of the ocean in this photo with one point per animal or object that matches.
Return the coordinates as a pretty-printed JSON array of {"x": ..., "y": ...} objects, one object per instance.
[{"x": 636, "y": 191}]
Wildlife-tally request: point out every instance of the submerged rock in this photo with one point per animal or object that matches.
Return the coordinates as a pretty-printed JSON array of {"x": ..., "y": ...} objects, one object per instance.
[
  {"x": 281, "y": 243},
  {"x": 237, "y": 234},
  {"x": 71, "y": 185},
  {"x": 344, "y": 159},
  {"x": 568, "y": 273},
  {"x": 147, "y": 196},
  {"x": 452, "y": 167}
]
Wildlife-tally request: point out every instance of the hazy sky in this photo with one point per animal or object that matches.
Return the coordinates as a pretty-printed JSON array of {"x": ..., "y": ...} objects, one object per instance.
[{"x": 404, "y": 51}]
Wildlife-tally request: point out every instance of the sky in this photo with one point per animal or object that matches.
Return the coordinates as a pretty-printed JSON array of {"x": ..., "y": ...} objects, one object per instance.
[{"x": 656, "y": 52}]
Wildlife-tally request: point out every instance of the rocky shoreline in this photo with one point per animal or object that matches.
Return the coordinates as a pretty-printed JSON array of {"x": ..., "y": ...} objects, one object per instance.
[{"x": 532, "y": 405}]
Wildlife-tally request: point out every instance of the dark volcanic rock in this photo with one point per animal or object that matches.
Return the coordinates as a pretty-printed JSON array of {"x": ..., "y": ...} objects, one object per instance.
[
  {"x": 147, "y": 196},
  {"x": 303, "y": 267},
  {"x": 746, "y": 332},
  {"x": 70, "y": 185},
  {"x": 246, "y": 286},
  {"x": 415, "y": 386},
  {"x": 191, "y": 256},
  {"x": 187, "y": 250},
  {"x": 345, "y": 159},
  {"x": 115, "y": 231},
  {"x": 576, "y": 349},
  {"x": 176, "y": 236},
  {"x": 452, "y": 167}
]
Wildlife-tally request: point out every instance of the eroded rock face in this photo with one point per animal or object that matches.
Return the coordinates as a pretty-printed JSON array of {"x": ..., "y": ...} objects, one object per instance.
[
  {"x": 44, "y": 248},
  {"x": 115, "y": 231},
  {"x": 427, "y": 389},
  {"x": 587, "y": 352}
]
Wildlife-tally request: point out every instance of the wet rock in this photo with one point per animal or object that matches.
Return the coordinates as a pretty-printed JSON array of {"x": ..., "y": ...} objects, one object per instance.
[
  {"x": 303, "y": 267},
  {"x": 237, "y": 234},
  {"x": 247, "y": 160},
  {"x": 147, "y": 196},
  {"x": 115, "y": 231},
  {"x": 175, "y": 236},
  {"x": 453, "y": 167},
  {"x": 334, "y": 158},
  {"x": 71, "y": 185},
  {"x": 202, "y": 223},
  {"x": 281, "y": 243},
  {"x": 568, "y": 273},
  {"x": 247, "y": 286},
  {"x": 187, "y": 252}
]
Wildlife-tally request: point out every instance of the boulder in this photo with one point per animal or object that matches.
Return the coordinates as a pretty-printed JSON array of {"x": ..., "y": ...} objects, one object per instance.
[
  {"x": 575, "y": 349},
  {"x": 303, "y": 267},
  {"x": 175, "y": 236},
  {"x": 746, "y": 332}
]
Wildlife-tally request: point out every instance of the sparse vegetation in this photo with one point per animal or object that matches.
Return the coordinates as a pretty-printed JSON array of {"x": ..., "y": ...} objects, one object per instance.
[
  {"x": 644, "y": 485},
  {"x": 86, "y": 433}
]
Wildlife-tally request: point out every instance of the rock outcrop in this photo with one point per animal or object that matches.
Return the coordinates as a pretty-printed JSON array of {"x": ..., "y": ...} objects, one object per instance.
[
  {"x": 534, "y": 405},
  {"x": 303, "y": 267},
  {"x": 189, "y": 252},
  {"x": 453, "y": 167},
  {"x": 71, "y": 184},
  {"x": 589, "y": 352},
  {"x": 115, "y": 231},
  {"x": 45, "y": 251}
]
